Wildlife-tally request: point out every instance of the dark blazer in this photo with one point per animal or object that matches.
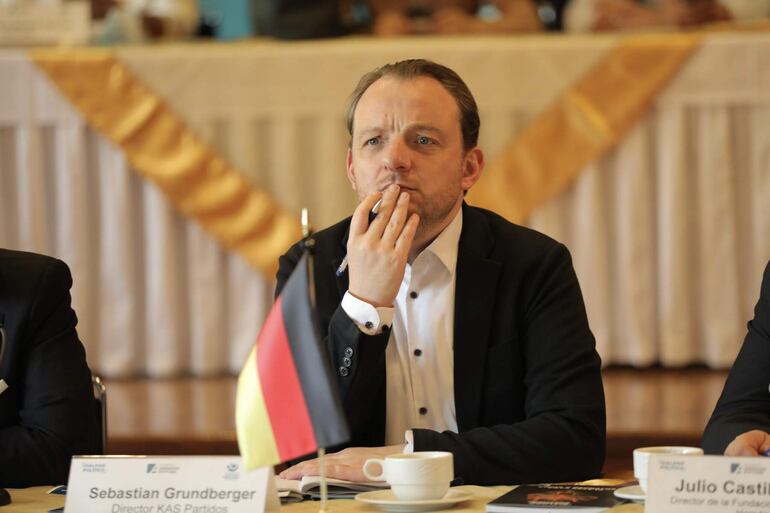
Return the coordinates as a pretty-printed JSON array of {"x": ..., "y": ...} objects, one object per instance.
[
  {"x": 528, "y": 390},
  {"x": 47, "y": 414},
  {"x": 745, "y": 401}
]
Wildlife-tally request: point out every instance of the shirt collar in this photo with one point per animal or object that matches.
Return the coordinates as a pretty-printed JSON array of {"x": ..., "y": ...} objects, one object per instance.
[{"x": 445, "y": 246}]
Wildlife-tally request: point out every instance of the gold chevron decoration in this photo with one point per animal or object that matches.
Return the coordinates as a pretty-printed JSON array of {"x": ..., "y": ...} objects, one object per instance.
[
  {"x": 198, "y": 182},
  {"x": 584, "y": 123}
]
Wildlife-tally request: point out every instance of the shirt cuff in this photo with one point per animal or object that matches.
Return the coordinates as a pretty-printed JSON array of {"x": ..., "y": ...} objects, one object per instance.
[
  {"x": 369, "y": 319},
  {"x": 408, "y": 442}
]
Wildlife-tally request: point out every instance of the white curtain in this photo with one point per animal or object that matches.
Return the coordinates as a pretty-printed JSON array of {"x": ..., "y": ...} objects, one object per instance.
[
  {"x": 154, "y": 294},
  {"x": 670, "y": 234}
]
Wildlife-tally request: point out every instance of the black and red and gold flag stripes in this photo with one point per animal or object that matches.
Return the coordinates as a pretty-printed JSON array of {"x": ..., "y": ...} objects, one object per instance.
[{"x": 287, "y": 404}]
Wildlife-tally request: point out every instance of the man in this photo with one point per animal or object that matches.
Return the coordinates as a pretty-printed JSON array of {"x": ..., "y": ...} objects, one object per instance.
[
  {"x": 47, "y": 409},
  {"x": 490, "y": 355},
  {"x": 740, "y": 423}
]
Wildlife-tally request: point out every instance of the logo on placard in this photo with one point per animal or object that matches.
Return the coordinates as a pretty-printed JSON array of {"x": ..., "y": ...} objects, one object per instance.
[
  {"x": 94, "y": 468},
  {"x": 232, "y": 472},
  {"x": 748, "y": 468},
  {"x": 162, "y": 468},
  {"x": 671, "y": 464}
]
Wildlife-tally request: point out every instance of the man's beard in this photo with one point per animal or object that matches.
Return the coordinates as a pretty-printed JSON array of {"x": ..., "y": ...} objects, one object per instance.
[
  {"x": 434, "y": 213},
  {"x": 433, "y": 210}
]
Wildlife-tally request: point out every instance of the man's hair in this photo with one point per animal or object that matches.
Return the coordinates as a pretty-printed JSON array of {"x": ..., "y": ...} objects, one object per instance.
[{"x": 415, "y": 68}]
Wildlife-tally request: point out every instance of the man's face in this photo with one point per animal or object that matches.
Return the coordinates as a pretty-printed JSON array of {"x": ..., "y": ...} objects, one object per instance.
[{"x": 408, "y": 132}]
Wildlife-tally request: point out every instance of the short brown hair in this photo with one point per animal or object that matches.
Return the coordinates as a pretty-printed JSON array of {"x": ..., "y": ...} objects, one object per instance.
[{"x": 414, "y": 68}]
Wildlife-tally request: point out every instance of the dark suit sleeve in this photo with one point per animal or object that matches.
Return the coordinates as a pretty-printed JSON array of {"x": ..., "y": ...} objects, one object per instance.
[
  {"x": 560, "y": 435},
  {"x": 57, "y": 415},
  {"x": 364, "y": 380},
  {"x": 745, "y": 401}
]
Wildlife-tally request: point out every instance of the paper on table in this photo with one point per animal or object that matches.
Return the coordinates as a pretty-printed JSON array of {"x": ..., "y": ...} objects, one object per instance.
[{"x": 311, "y": 486}]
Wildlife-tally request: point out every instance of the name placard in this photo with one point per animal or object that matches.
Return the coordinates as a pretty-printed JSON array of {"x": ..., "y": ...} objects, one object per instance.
[
  {"x": 168, "y": 484},
  {"x": 684, "y": 484}
]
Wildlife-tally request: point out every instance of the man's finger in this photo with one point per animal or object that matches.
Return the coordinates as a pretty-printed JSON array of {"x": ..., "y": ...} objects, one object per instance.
[
  {"x": 360, "y": 222},
  {"x": 404, "y": 241},
  {"x": 348, "y": 473},
  {"x": 297, "y": 471},
  {"x": 396, "y": 222},
  {"x": 764, "y": 444},
  {"x": 389, "y": 198}
]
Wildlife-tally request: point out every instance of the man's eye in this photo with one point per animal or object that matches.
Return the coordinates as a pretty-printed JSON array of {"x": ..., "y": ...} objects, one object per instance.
[
  {"x": 373, "y": 141},
  {"x": 424, "y": 140}
]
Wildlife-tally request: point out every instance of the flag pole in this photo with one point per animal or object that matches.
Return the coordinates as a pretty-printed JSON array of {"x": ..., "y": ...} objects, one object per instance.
[
  {"x": 324, "y": 489},
  {"x": 308, "y": 245}
]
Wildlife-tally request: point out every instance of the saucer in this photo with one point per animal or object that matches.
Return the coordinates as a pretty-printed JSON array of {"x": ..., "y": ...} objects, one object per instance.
[
  {"x": 386, "y": 501},
  {"x": 630, "y": 493}
]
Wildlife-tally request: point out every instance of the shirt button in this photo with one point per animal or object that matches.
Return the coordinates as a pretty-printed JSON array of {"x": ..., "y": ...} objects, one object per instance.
[
  {"x": 417, "y": 352},
  {"x": 347, "y": 362},
  {"x": 348, "y": 352},
  {"x": 343, "y": 371},
  {"x": 413, "y": 294},
  {"x": 369, "y": 325},
  {"x": 423, "y": 410}
]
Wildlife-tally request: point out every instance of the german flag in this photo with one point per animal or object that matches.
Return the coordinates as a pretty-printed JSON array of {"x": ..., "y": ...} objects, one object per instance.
[{"x": 287, "y": 404}]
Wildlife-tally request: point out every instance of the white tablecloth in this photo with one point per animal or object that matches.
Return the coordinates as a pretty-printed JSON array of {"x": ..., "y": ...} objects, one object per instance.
[{"x": 669, "y": 232}]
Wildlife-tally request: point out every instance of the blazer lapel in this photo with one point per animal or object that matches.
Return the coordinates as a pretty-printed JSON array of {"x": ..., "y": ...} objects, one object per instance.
[
  {"x": 475, "y": 286},
  {"x": 342, "y": 280}
]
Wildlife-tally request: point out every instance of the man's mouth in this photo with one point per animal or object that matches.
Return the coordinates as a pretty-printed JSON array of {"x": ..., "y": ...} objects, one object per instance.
[{"x": 401, "y": 186}]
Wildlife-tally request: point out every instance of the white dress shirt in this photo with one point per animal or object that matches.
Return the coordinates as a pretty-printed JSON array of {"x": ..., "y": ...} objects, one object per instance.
[{"x": 419, "y": 357}]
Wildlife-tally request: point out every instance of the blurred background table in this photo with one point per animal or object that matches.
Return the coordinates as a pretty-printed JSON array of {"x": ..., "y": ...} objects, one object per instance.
[
  {"x": 33, "y": 500},
  {"x": 669, "y": 231}
]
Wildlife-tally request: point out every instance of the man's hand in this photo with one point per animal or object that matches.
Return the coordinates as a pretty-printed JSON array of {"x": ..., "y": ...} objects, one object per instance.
[
  {"x": 751, "y": 443},
  {"x": 377, "y": 252},
  {"x": 347, "y": 464}
]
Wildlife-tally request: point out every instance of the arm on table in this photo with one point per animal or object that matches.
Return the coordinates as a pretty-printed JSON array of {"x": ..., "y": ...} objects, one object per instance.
[
  {"x": 57, "y": 415},
  {"x": 744, "y": 405}
]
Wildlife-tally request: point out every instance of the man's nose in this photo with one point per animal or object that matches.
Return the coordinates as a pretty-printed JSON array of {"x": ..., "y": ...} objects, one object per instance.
[{"x": 396, "y": 156}]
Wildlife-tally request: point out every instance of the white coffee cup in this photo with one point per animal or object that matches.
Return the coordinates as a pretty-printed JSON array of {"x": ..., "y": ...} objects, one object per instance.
[
  {"x": 642, "y": 459},
  {"x": 419, "y": 476}
]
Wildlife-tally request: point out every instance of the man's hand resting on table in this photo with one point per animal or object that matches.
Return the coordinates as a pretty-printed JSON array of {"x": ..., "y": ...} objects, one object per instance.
[
  {"x": 751, "y": 443},
  {"x": 347, "y": 464}
]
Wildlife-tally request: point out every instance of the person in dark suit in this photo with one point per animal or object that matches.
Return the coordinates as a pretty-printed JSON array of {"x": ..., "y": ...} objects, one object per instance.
[
  {"x": 47, "y": 406},
  {"x": 410, "y": 17},
  {"x": 451, "y": 328},
  {"x": 740, "y": 423}
]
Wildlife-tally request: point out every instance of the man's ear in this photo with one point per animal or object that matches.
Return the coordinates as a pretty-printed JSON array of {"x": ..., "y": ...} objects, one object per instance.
[
  {"x": 349, "y": 167},
  {"x": 473, "y": 165}
]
